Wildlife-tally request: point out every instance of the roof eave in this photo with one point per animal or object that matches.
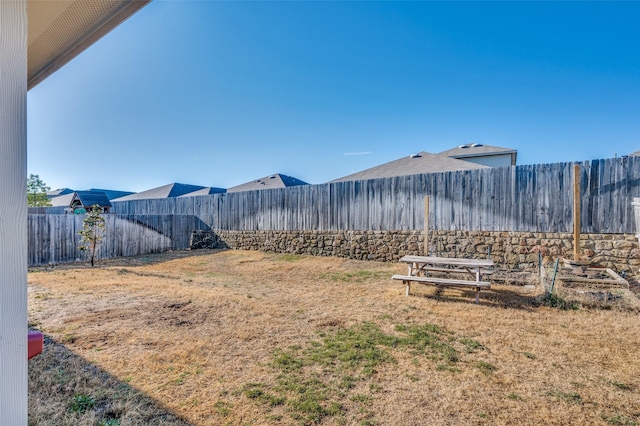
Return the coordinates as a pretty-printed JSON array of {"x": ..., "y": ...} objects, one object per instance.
[
  {"x": 483, "y": 154},
  {"x": 92, "y": 34}
]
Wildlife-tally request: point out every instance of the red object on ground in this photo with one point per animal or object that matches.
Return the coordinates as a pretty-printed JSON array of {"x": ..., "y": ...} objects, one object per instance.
[{"x": 36, "y": 343}]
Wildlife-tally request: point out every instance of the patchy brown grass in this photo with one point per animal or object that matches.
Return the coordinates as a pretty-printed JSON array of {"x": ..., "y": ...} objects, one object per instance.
[{"x": 240, "y": 337}]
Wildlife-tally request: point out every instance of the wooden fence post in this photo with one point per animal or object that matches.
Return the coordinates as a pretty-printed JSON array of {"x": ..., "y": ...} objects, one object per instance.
[
  {"x": 426, "y": 225},
  {"x": 576, "y": 212}
]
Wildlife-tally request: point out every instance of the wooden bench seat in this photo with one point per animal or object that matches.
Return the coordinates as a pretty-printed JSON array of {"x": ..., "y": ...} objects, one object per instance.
[
  {"x": 462, "y": 271},
  {"x": 443, "y": 281},
  {"x": 407, "y": 279}
]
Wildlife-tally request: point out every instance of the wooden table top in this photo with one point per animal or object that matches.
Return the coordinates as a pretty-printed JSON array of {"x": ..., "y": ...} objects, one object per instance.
[{"x": 447, "y": 261}]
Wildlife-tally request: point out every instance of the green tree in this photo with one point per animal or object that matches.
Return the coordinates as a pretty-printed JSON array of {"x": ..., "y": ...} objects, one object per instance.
[
  {"x": 37, "y": 192},
  {"x": 93, "y": 227}
]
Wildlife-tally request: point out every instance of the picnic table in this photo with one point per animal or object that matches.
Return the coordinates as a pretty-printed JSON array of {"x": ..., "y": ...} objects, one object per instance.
[{"x": 421, "y": 266}]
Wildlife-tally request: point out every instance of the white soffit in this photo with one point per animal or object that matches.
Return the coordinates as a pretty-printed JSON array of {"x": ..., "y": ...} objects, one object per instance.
[{"x": 59, "y": 30}]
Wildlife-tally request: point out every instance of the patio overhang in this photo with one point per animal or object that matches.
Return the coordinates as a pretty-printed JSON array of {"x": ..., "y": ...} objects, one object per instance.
[
  {"x": 37, "y": 37},
  {"x": 59, "y": 30}
]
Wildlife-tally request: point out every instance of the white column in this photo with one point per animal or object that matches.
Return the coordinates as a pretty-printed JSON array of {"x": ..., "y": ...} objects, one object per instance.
[{"x": 13, "y": 212}]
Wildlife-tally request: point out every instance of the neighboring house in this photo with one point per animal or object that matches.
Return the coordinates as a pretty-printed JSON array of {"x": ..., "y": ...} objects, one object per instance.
[
  {"x": 167, "y": 191},
  {"x": 84, "y": 201},
  {"x": 635, "y": 154},
  {"x": 269, "y": 182},
  {"x": 112, "y": 194},
  {"x": 205, "y": 191},
  {"x": 63, "y": 199},
  {"x": 59, "y": 192},
  {"x": 422, "y": 162},
  {"x": 487, "y": 155}
]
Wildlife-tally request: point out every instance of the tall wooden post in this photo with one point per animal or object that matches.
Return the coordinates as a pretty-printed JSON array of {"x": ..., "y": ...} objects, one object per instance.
[
  {"x": 426, "y": 225},
  {"x": 13, "y": 212},
  {"x": 576, "y": 212}
]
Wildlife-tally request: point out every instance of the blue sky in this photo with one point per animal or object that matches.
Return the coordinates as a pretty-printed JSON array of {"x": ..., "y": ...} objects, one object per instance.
[{"x": 220, "y": 93}]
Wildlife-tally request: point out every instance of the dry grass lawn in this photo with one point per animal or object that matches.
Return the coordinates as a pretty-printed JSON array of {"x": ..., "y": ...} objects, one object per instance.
[{"x": 253, "y": 338}]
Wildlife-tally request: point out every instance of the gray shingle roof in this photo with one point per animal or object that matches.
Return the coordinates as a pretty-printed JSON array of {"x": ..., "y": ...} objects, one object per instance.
[
  {"x": 61, "y": 200},
  {"x": 205, "y": 191},
  {"x": 422, "y": 162},
  {"x": 166, "y": 191},
  {"x": 635, "y": 153},
  {"x": 268, "y": 182},
  {"x": 58, "y": 192},
  {"x": 112, "y": 194}
]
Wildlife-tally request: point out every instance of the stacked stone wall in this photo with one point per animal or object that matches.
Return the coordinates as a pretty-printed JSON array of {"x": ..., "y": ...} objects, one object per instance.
[{"x": 514, "y": 250}]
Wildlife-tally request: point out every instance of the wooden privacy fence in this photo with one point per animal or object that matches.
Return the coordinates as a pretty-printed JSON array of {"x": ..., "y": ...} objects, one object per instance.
[
  {"x": 54, "y": 238},
  {"x": 530, "y": 198}
]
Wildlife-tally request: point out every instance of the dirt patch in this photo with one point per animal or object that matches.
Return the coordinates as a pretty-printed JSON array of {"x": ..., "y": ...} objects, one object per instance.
[{"x": 242, "y": 337}]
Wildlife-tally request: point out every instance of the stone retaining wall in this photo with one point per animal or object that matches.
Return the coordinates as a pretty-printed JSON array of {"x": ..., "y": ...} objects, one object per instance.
[{"x": 513, "y": 250}]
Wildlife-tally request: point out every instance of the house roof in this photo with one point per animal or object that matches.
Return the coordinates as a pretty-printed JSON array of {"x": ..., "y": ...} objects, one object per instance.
[
  {"x": 268, "y": 182},
  {"x": 61, "y": 200},
  {"x": 476, "y": 150},
  {"x": 54, "y": 196},
  {"x": 112, "y": 194},
  {"x": 635, "y": 153},
  {"x": 205, "y": 191},
  {"x": 58, "y": 192},
  {"x": 423, "y": 162},
  {"x": 58, "y": 31},
  {"x": 167, "y": 191},
  {"x": 90, "y": 198}
]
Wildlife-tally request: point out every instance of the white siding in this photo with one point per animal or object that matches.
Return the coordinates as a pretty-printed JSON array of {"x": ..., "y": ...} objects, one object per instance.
[
  {"x": 501, "y": 160},
  {"x": 13, "y": 212}
]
